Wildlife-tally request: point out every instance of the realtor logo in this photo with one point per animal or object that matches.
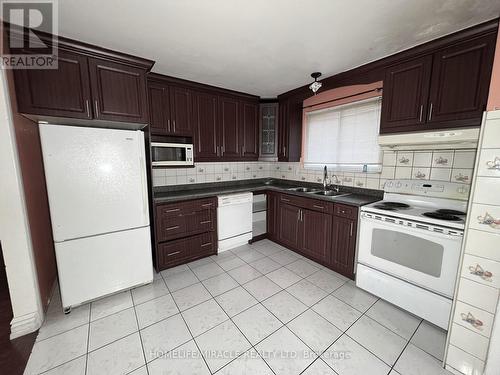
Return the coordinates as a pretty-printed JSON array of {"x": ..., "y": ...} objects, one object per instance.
[{"x": 31, "y": 35}]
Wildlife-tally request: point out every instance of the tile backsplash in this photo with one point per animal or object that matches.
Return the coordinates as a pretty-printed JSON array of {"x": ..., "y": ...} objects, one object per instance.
[{"x": 443, "y": 165}]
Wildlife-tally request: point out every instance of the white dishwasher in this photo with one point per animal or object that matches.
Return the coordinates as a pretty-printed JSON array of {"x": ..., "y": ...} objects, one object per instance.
[{"x": 234, "y": 220}]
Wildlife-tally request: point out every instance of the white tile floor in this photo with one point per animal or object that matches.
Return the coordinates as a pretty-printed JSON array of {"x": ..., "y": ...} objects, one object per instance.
[{"x": 259, "y": 309}]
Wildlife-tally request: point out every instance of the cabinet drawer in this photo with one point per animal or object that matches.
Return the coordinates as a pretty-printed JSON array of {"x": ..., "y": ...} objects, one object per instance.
[
  {"x": 481, "y": 270},
  {"x": 309, "y": 203},
  {"x": 489, "y": 163},
  {"x": 181, "y": 251},
  {"x": 172, "y": 252},
  {"x": 476, "y": 320},
  {"x": 344, "y": 210},
  {"x": 485, "y": 217},
  {"x": 479, "y": 295},
  {"x": 185, "y": 207}
]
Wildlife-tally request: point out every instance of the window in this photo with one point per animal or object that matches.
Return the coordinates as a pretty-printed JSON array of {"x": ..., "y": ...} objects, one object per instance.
[{"x": 344, "y": 137}]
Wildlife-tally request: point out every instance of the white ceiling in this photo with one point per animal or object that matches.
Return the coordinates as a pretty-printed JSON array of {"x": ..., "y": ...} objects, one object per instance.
[{"x": 265, "y": 47}]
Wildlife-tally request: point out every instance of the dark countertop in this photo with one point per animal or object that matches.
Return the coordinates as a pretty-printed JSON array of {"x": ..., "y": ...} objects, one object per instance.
[{"x": 356, "y": 196}]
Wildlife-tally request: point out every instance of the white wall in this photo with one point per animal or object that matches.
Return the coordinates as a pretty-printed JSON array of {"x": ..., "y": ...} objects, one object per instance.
[{"x": 14, "y": 229}]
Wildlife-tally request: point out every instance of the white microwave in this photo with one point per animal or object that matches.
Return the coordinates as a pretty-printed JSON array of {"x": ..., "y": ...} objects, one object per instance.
[{"x": 171, "y": 154}]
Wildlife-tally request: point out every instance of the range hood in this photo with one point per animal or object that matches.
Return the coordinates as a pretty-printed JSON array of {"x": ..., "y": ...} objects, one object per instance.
[{"x": 445, "y": 139}]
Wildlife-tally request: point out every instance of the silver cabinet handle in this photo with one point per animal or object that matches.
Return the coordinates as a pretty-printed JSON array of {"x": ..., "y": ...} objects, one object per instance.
[
  {"x": 174, "y": 253},
  {"x": 172, "y": 228},
  {"x": 88, "y": 107},
  {"x": 352, "y": 227},
  {"x": 285, "y": 200},
  {"x": 96, "y": 104},
  {"x": 320, "y": 207},
  {"x": 206, "y": 244},
  {"x": 298, "y": 215},
  {"x": 173, "y": 210},
  {"x": 168, "y": 124},
  {"x": 205, "y": 222},
  {"x": 421, "y": 111},
  {"x": 173, "y": 123},
  {"x": 430, "y": 112},
  {"x": 207, "y": 205}
]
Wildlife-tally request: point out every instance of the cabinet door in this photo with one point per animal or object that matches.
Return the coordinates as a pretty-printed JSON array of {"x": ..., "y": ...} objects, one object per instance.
[
  {"x": 159, "y": 109},
  {"x": 272, "y": 215},
  {"x": 404, "y": 100},
  {"x": 229, "y": 126},
  {"x": 249, "y": 130},
  {"x": 268, "y": 145},
  {"x": 289, "y": 225},
  {"x": 118, "y": 91},
  {"x": 460, "y": 83},
  {"x": 315, "y": 236},
  {"x": 181, "y": 107},
  {"x": 283, "y": 130},
  {"x": 205, "y": 121},
  {"x": 343, "y": 246},
  {"x": 61, "y": 92}
]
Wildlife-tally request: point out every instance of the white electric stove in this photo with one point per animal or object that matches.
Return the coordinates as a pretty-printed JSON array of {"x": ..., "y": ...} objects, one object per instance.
[{"x": 409, "y": 246}]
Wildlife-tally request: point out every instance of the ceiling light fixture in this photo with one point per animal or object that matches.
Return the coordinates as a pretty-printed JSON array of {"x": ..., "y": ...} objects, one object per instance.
[{"x": 315, "y": 86}]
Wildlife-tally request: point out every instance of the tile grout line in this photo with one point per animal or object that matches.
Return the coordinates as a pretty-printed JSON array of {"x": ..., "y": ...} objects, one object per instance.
[
  {"x": 408, "y": 343},
  {"x": 238, "y": 328},
  {"x": 283, "y": 324},
  {"x": 88, "y": 341},
  {"x": 139, "y": 331}
]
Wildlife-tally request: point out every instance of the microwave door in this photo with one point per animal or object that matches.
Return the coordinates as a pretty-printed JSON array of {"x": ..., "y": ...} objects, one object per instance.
[{"x": 171, "y": 154}]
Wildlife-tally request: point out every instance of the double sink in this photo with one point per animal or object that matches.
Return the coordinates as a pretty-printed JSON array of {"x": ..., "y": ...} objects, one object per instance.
[{"x": 326, "y": 193}]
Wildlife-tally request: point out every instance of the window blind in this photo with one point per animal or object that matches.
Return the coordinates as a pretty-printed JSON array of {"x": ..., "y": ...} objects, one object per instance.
[{"x": 344, "y": 137}]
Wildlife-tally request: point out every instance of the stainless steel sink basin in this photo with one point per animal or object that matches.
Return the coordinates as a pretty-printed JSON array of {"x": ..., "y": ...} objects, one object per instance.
[
  {"x": 303, "y": 190},
  {"x": 329, "y": 193}
]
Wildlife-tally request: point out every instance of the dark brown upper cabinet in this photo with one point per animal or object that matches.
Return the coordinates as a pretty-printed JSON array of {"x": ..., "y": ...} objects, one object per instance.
[
  {"x": 249, "y": 130},
  {"x": 64, "y": 92},
  {"x": 118, "y": 91},
  {"x": 170, "y": 109},
  {"x": 205, "y": 120},
  {"x": 460, "y": 83},
  {"x": 229, "y": 122},
  {"x": 181, "y": 111},
  {"x": 445, "y": 89},
  {"x": 159, "y": 109},
  {"x": 90, "y": 83},
  {"x": 290, "y": 129},
  {"x": 406, "y": 91}
]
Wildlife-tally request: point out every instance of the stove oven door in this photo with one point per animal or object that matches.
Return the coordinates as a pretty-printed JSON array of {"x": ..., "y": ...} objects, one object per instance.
[{"x": 420, "y": 256}]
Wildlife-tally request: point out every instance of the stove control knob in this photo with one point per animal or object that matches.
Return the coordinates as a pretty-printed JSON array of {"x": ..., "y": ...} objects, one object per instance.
[
  {"x": 462, "y": 190},
  {"x": 398, "y": 185},
  {"x": 389, "y": 184}
]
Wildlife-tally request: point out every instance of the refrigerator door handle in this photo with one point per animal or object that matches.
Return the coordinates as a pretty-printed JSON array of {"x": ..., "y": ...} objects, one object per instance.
[{"x": 144, "y": 183}]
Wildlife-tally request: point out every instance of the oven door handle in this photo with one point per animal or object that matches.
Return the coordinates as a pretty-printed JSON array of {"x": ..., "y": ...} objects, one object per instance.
[{"x": 385, "y": 224}]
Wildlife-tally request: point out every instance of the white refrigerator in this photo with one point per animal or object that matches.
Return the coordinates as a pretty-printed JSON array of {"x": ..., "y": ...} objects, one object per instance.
[{"x": 98, "y": 198}]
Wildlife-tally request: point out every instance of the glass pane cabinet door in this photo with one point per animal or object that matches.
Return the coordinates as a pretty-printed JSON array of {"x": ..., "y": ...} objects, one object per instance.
[{"x": 268, "y": 131}]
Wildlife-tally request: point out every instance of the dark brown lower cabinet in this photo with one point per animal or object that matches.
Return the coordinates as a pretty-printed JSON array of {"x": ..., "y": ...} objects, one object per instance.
[
  {"x": 272, "y": 215},
  {"x": 289, "y": 218},
  {"x": 344, "y": 246},
  {"x": 316, "y": 234},
  {"x": 185, "y": 231},
  {"x": 322, "y": 231}
]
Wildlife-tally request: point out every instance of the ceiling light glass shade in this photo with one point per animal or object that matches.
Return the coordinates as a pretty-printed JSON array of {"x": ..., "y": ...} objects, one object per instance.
[{"x": 315, "y": 86}]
